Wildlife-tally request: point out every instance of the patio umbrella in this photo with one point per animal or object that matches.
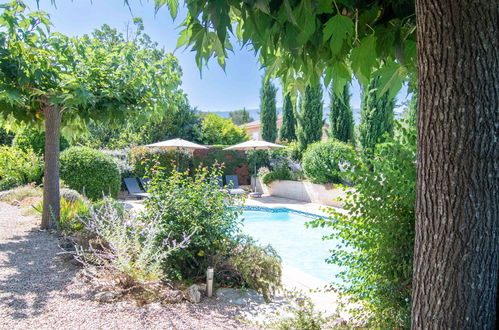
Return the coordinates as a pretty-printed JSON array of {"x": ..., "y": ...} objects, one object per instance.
[
  {"x": 176, "y": 144},
  {"x": 254, "y": 145}
]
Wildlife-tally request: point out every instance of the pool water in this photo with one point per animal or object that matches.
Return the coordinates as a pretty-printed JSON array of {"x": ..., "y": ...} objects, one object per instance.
[{"x": 298, "y": 246}]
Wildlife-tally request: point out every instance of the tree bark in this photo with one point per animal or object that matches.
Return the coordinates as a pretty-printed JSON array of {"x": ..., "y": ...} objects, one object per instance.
[
  {"x": 51, "y": 199},
  {"x": 456, "y": 257}
]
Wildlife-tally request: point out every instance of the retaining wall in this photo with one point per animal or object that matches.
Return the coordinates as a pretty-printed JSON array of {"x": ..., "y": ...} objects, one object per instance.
[{"x": 324, "y": 194}]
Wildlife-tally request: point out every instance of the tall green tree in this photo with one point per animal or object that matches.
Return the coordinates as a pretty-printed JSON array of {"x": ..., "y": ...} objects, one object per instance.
[
  {"x": 376, "y": 116},
  {"x": 310, "y": 119},
  {"x": 218, "y": 130},
  {"x": 341, "y": 116},
  {"x": 287, "y": 131},
  {"x": 240, "y": 117},
  {"x": 268, "y": 111},
  {"x": 49, "y": 79}
]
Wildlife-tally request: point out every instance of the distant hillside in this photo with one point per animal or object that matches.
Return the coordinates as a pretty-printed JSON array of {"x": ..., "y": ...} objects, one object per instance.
[{"x": 255, "y": 113}]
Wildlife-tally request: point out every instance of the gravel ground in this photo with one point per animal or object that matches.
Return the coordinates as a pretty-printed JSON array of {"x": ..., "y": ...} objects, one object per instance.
[{"x": 39, "y": 289}]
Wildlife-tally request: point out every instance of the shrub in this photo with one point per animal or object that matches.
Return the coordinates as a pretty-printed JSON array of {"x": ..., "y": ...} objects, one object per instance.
[
  {"x": 126, "y": 244},
  {"x": 32, "y": 139},
  {"x": 70, "y": 195},
  {"x": 243, "y": 263},
  {"x": 6, "y": 137},
  {"x": 143, "y": 158},
  {"x": 378, "y": 234},
  {"x": 184, "y": 204},
  {"x": 278, "y": 173},
  {"x": 90, "y": 172},
  {"x": 72, "y": 212},
  {"x": 294, "y": 152},
  {"x": 218, "y": 130},
  {"x": 322, "y": 161},
  {"x": 303, "y": 317},
  {"x": 122, "y": 159},
  {"x": 18, "y": 167}
]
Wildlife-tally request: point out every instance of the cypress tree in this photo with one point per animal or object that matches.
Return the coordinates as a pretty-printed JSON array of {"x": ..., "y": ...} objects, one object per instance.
[
  {"x": 310, "y": 120},
  {"x": 268, "y": 114},
  {"x": 341, "y": 116},
  {"x": 287, "y": 131},
  {"x": 376, "y": 116}
]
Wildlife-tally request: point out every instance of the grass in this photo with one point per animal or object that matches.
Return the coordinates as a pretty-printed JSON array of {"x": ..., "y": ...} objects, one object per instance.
[{"x": 20, "y": 193}]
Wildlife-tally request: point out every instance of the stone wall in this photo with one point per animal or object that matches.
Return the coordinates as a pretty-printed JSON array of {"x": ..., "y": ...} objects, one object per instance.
[{"x": 324, "y": 194}]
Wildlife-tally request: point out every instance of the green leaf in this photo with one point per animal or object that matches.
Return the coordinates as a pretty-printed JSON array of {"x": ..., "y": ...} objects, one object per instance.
[
  {"x": 363, "y": 58},
  {"x": 392, "y": 76},
  {"x": 339, "y": 27},
  {"x": 171, "y": 4},
  {"x": 325, "y": 7}
]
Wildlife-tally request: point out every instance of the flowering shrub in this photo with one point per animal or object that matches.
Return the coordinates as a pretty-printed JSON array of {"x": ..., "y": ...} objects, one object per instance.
[
  {"x": 184, "y": 203},
  {"x": 125, "y": 243}
]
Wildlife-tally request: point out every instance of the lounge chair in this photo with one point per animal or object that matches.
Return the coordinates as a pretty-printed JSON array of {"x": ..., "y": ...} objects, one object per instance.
[
  {"x": 133, "y": 188},
  {"x": 233, "y": 185}
]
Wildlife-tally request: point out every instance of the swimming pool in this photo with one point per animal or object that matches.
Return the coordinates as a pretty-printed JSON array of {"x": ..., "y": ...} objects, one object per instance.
[{"x": 298, "y": 246}]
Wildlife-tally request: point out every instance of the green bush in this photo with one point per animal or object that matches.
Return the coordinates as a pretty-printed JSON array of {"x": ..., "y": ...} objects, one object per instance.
[
  {"x": 33, "y": 139},
  {"x": 377, "y": 235},
  {"x": 245, "y": 264},
  {"x": 294, "y": 152},
  {"x": 72, "y": 212},
  {"x": 218, "y": 130},
  {"x": 321, "y": 161},
  {"x": 90, "y": 172},
  {"x": 279, "y": 173},
  {"x": 142, "y": 158},
  {"x": 6, "y": 137},
  {"x": 192, "y": 204},
  {"x": 18, "y": 167}
]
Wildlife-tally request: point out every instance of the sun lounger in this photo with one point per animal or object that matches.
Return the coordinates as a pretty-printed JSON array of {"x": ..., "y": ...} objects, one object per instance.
[
  {"x": 133, "y": 188},
  {"x": 233, "y": 185}
]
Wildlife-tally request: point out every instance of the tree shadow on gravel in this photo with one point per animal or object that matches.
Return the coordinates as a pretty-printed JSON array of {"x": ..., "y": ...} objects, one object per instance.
[{"x": 31, "y": 271}]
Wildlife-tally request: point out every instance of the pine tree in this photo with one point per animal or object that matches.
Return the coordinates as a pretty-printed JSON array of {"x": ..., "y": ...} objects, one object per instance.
[
  {"x": 310, "y": 120},
  {"x": 341, "y": 116},
  {"x": 268, "y": 114},
  {"x": 376, "y": 116},
  {"x": 287, "y": 131}
]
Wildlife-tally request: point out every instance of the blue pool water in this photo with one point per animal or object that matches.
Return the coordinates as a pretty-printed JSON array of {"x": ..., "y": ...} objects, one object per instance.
[{"x": 298, "y": 246}]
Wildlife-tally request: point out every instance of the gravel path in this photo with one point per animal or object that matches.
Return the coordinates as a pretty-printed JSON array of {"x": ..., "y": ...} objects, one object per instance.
[{"x": 41, "y": 290}]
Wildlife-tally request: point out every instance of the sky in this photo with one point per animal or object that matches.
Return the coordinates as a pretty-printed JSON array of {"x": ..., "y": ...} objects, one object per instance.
[{"x": 213, "y": 90}]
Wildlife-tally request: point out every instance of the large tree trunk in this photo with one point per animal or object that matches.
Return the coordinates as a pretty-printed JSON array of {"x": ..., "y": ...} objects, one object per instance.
[
  {"x": 456, "y": 257},
  {"x": 51, "y": 202}
]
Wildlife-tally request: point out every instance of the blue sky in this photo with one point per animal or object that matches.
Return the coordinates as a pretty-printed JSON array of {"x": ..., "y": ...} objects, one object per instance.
[{"x": 215, "y": 90}]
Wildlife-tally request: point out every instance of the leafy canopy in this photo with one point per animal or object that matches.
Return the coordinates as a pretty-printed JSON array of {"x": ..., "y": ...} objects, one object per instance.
[
  {"x": 100, "y": 77},
  {"x": 218, "y": 130},
  {"x": 301, "y": 40}
]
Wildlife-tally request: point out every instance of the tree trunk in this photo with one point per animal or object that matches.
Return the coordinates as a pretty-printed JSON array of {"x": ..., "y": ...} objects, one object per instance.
[
  {"x": 51, "y": 202},
  {"x": 456, "y": 257}
]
